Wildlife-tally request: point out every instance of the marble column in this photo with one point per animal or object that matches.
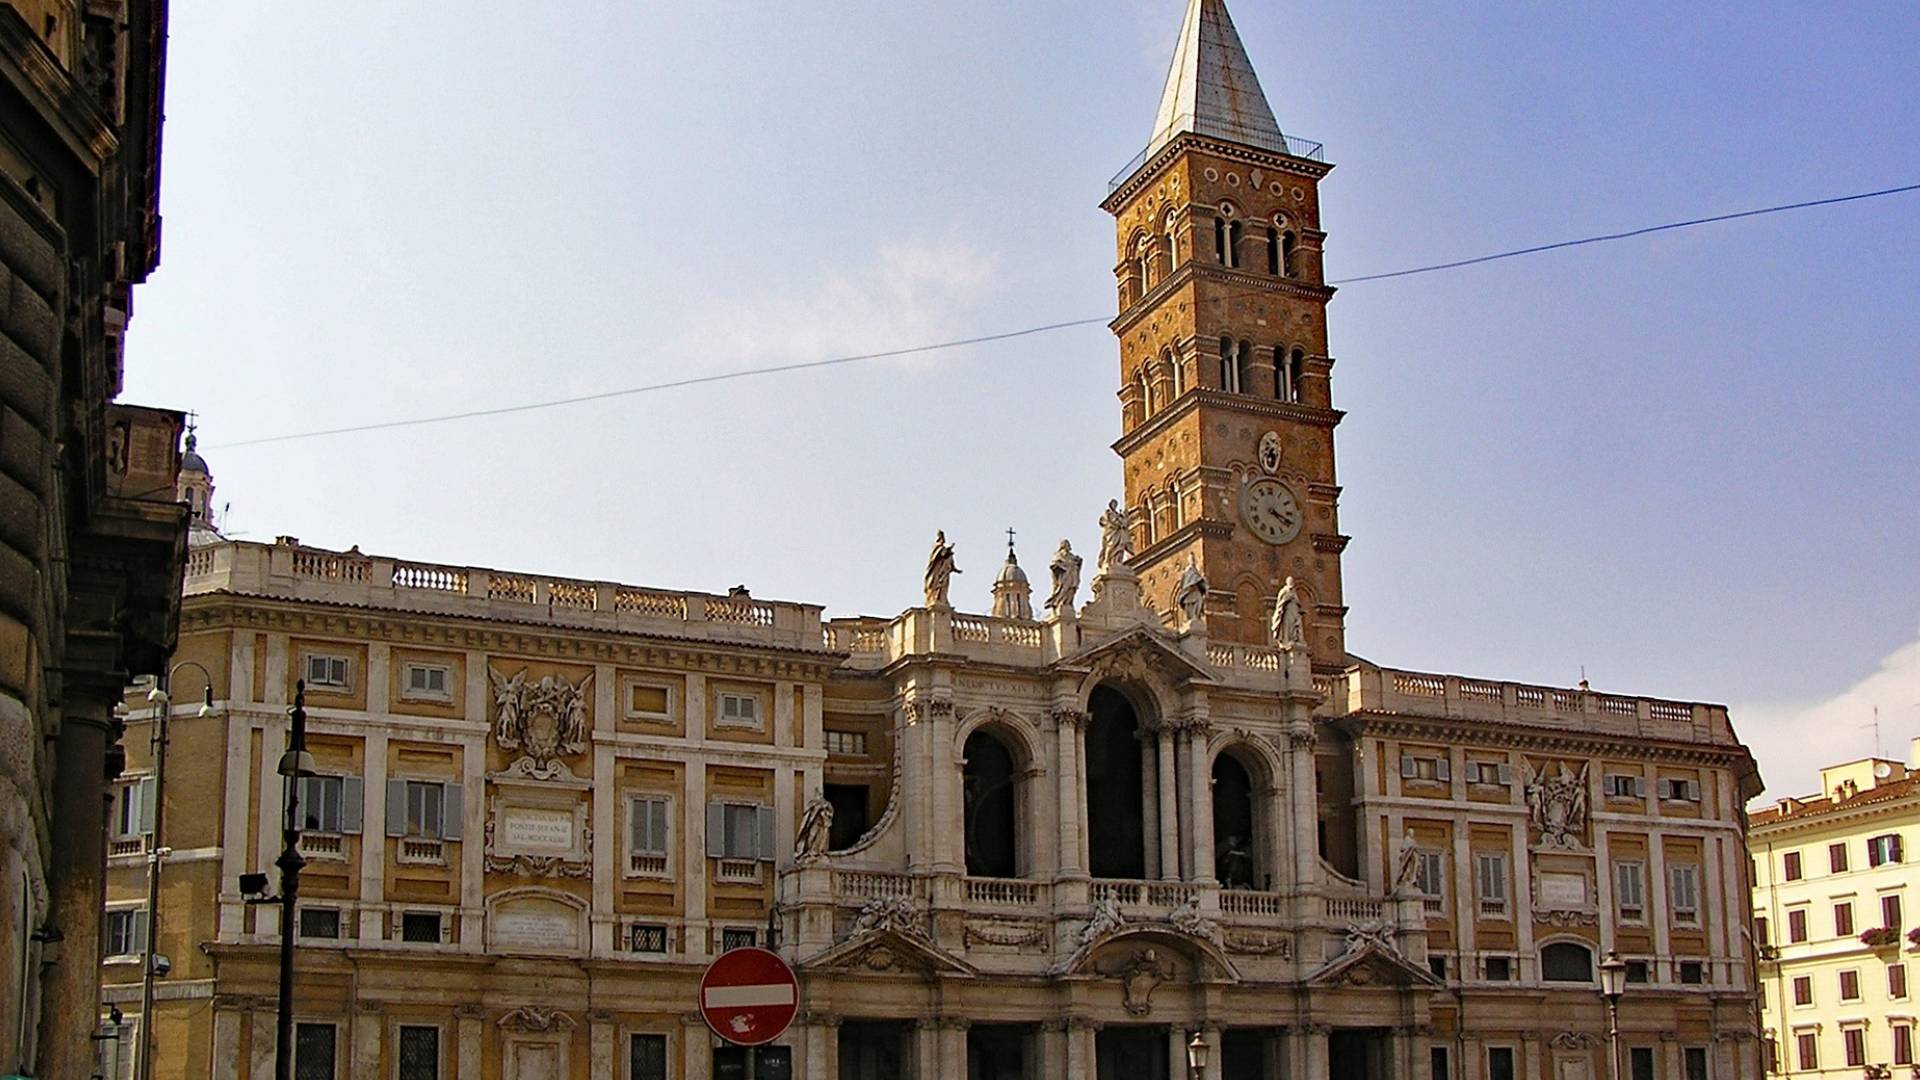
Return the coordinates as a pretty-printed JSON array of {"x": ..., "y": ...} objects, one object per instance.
[
  {"x": 1151, "y": 810},
  {"x": 1050, "y": 1050},
  {"x": 1200, "y": 800},
  {"x": 1318, "y": 1065},
  {"x": 926, "y": 1050},
  {"x": 953, "y": 1046},
  {"x": 1305, "y": 803},
  {"x": 1067, "y": 723},
  {"x": 1169, "y": 808},
  {"x": 1177, "y": 1050},
  {"x": 1082, "y": 1049}
]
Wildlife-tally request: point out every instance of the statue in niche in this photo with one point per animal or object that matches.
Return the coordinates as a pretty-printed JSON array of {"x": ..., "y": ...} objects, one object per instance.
[
  {"x": 1234, "y": 863},
  {"x": 1066, "y": 580},
  {"x": 1116, "y": 538},
  {"x": 1289, "y": 627},
  {"x": 816, "y": 825},
  {"x": 1191, "y": 593},
  {"x": 1557, "y": 805},
  {"x": 940, "y": 570}
]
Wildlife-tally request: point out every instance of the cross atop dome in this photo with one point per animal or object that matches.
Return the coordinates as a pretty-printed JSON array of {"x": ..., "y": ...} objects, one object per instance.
[{"x": 1211, "y": 89}]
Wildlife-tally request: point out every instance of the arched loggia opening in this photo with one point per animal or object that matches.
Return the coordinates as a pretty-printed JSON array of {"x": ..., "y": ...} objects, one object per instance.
[
  {"x": 990, "y": 782},
  {"x": 1237, "y": 858},
  {"x": 1116, "y": 816}
]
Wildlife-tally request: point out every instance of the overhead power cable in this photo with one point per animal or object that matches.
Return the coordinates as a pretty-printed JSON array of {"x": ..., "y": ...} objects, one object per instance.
[{"x": 745, "y": 373}]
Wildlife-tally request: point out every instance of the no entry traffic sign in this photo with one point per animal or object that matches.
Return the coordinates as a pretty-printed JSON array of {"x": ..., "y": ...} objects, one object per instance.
[{"x": 749, "y": 996}]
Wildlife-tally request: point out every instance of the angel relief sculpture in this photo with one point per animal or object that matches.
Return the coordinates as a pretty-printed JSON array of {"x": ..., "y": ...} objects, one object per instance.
[
  {"x": 1557, "y": 805},
  {"x": 544, "y": 720}
]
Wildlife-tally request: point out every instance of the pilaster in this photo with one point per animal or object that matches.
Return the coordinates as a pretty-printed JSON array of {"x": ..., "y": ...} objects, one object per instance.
[
  {"x": 472, "y": 1024},
  {"x": 1169, "y": 806},
  {"x": 1067, "y": 725},
  {"x": 373, "y": 835}
]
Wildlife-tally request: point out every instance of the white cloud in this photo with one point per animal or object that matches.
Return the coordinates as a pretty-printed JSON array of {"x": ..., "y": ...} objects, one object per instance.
[
  {"x": 916, "y": 292},
  {"x": 1793, "y": 740}
]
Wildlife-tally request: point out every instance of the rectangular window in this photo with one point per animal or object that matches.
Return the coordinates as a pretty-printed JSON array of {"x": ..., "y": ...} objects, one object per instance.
[
  {"x": 1890, "y": 915},
  {"x": 1855, "y": 1040},
  {"x": 1425, "y": 768},
  {"x": 419, "y": 1053},
  {"x": 732, "y": 938},
  {"x": 133, "y": 809},
  {"x": 1897, "y": 981},
  {"x": 648, "y": 702},
  {"x": 320, "y": 922},
  {"x": 1630, "y": 890},
  {"x": 1790, "y": 866},
  {"x": 1803, "y": 990},
  {"x": 1500, "y": 1063},
  {"x": 1695, "y": 1058},
  {"x": 647, "y": 826},
  {"x": 425, "y": 802},
  {"x": 647, "y": 938},
  {"x": 313, "y": 1049},
  {"x": 1692, "y": 972},
  {"x": 428, "y": 681},
  {"x": 647, "y": 1057},
  {"x": 1640, "y": 1063},
  {"x": 1883, "y": 849},
  {"x": 1679, "y": 789},
  {"x": 740, "y": 709},
  {"x": 1761, "y": 929},
  {"x": 853, "y": 743},
  {"x": 1850, "y": 987},
  {"x": 1490, "y": 871},
  {"x": 739, "y": 831},
  {"x": 1637, "y": 971},
  {"x": 1623, "y": 786},
  {"x": 1497, "y": 773},
  {"x": 1499, "y": 968},
  {"x": 1837, "y": 858},
  {"x": 1432, "y": 877},
  {"x": 126, "y": 931},
  {"x": 1441, "y": 1066},
  {"x": 1807, "y": 1047},
  {"x": 420, "y": 926},
  {"x": 1903, "y": 1044},
  {"x": 1683, "y": 886},
  {"x": 327, "y": 672},
  {"x": 1797, "y": 925},
  {"x": 321, "y": 801},
  {"x": 1843, "y": 919},
  {"x": 1769, "y": 1055},
  {"x": 1437, "y": 964}
]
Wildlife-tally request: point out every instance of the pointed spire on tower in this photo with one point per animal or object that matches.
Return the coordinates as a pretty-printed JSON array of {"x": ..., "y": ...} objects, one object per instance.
[{"x": 1211, "y": 89}]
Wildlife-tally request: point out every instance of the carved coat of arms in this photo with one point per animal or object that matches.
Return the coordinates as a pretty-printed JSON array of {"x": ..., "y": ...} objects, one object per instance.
[
  {"x": 1557, "y": 805},
  {"x": 545, "y": 720}
]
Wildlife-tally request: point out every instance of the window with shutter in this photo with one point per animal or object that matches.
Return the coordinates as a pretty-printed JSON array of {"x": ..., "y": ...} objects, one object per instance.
[
  {"x": 1683, "y": 883},
  {"x": 1492, "y": 875},
  {"x": 1629, "y": 890},
  {"x": 1843, "y": 919},
  {"x": 1890, "y": 914}
]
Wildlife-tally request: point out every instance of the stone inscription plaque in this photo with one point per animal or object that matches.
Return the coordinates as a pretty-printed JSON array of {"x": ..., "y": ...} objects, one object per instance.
[
  {"x": 536, "y": 928},
  {"x": 522, "y": 829},
  {"x": 1563, "y": 892}
]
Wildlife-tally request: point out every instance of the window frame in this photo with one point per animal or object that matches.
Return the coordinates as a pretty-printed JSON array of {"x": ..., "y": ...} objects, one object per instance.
[
  {"x": 1689, "y": 915},
  {"x": 721, "y": 699},
  {"x": 666, "y": 1055},
  {"x": 418, "y": 827},
  {"x": 752, "y": 935},
  {"x": 636, "y": 849},
  {"x": 1849, "y": 982},
  {"x": 1798, "y": 984},
  {"x": 135, "y": 933},
  {"x": 627, "y": 710},
  {"x": 400, "y": 1028},
  {"x": 333, "y": 1045},
  {"x": 1637, "y": 871},
  {"x": 1490, "y": 868},
  {"x": 339, "y": 922},
  {"x": 1884, "y": 849},
  {"x": 1791, "y": 868},
  {"x": 1843, "y": 923},
  {"x": 328, "y": 684},
  {"x": 439, "y": 927},
  {"x": 1635, "y": 782},
  {"x": 1806, "y": 1046},
  {"x": 1837, "y": 858},
  {"x": 1897, "y": 992},
  {"x": 1797, "y": 933},
  {"x": 409, "y": 692}
]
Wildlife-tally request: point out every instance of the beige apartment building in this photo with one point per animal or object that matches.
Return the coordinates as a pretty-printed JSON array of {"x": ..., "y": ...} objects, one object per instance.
[
  {"x": 1059, "y": 840},
  {"x": 1833, "y": 883}
]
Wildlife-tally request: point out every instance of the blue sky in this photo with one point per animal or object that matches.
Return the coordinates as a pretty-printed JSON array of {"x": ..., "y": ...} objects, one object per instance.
[{"x": 1689, "y": 462}]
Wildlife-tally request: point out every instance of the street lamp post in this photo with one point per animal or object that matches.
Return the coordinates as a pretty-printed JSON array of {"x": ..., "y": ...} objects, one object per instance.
[
  {"x": 294, "y": 764},
  {"x": 162, "y": 700},
  {"x": 1197, "y": 1054},
  {"x": 1613, "y": 982}
]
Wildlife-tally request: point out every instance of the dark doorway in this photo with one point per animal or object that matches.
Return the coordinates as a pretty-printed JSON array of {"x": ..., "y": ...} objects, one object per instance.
[
  {"x": 988, "y": 781},
  {"x": 1357, "y": 1054},
  {"x": 1233, "y": 858},
  {"x": 1131, "y": 1053},
  {"x": 997, "y": 1052},
  {"x": 849, "y": 802},
  {"x": 871, "y": 1050},
  {"x": 1250, "y": 1054},
  {"x": 1339, "y": 823},
  {"x": 1116, "y": 837}
]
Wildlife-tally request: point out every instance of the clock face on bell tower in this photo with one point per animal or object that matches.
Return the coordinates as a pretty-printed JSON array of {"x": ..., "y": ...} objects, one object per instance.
[{"x": 1225, "y": 390}]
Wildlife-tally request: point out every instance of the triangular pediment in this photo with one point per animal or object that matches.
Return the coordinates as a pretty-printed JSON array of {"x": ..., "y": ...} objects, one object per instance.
[
  {"x": 1370, "y": 965},
  {"x": 1210, "y": 963},
  {"x": 888, "y": 952},
  {"x": 1138, "y": 652}
]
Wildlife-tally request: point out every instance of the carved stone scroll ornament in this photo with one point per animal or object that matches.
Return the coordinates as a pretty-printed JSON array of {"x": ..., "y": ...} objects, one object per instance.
[
  {"x": 1140, "y": 978},
  {"x": 1258, "y": 943},
  {"x": 1005, "y": 933},
  {"x": 895, "y": 914},
  {"x": 543, "y": 721},
  {"x": 1376, "y": 933},
  {"x": 534, "y": 1018},
  {"x": 1557, "y": 806}
]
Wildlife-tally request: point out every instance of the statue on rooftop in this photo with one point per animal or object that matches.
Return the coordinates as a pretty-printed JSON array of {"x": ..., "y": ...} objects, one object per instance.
[
  {"x": 816, "y": 825},
  {"x": 1066, "y": 580},
  {"x": 940, "y": 569},
  {"x": 1288, "y": 629},
  {"x": 1116, "y": 538},
  {"x": 1191, "y": 593}
]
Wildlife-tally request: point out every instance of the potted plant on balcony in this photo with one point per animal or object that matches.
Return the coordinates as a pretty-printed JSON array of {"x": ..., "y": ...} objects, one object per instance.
[
  {"x": 1880, "y": 937},
  {"x": 1913, "y": 939}
]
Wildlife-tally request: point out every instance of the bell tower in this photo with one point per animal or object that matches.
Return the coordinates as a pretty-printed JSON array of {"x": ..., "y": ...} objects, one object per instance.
[{"x": 1226, "y": 404}]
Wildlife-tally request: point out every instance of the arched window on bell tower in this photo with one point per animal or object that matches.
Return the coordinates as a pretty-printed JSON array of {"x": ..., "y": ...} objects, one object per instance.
[
  {"x": 1282, "y": 374},
  {"x": 1229, "y": 367},
  {"x": 1220, "y": 240},
  {"x": 1297, "y": 377},
  {"x": 1235, "y": 234},
  {"x": 1273, "y": 251},
  {"x": 1172, "y": 245},
  {"x": 1243, "y": 367},
  {"x": 1142, "y": 267},
  {"x": 1175, "y": 511},
  {"x": 1286, "y": 253},
  {"x": 1145, "y": 379},
  {"x": 1173, "y": 375}
]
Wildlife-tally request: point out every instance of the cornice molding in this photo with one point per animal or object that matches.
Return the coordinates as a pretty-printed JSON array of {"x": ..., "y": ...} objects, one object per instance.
[
  {"x": 1194, "y": 270},
  {"x": 1150, "y": 169},
  {"x": 460, "y": 632},
  {"x": 1201, "y": 397},
  {"x": 1481, "y": 732}
]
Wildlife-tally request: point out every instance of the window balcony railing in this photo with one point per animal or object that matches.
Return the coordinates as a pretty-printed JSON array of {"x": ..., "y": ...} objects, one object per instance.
[
  {"x": 330, "y": 846},
  {"x": 1145, "y": 894},
  {"x": 1004, "y": 892},
  {"x": 738, "y": 871},
  {"x": 1246, "y": 902},
  {"x": 640, "y": 864},
  {"x": 422, "y": 851},
  {"x": 127, "y": 845}
]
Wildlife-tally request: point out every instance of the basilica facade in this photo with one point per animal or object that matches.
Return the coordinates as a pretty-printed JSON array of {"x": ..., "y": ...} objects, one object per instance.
[{"x": 1063, "y": 839}]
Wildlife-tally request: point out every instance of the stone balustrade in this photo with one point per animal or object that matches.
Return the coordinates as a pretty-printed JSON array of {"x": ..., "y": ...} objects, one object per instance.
[
  {"x": 288, "y": 568},
  {"x": 1428, "y": 694}
]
